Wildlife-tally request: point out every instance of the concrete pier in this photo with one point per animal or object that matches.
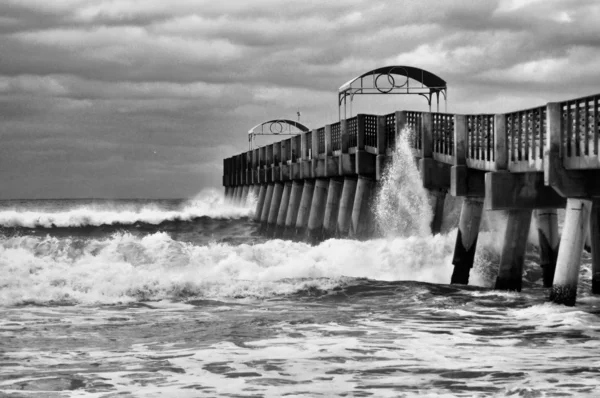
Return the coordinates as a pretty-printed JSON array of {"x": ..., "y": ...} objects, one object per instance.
[
  {"x": 264, "y": 215},
  {"x": 466, "y": 239},
  {"x": 332, "y": 207},
  {"x": 362, "y": 217},
  {"x": 344, "y": 221},
  {"x": 304, "y": 209},
  {"x": 510, "y": 272},
  {"x": 293, "y": 207},
  {"x": 274, "y": 208},
  {"x": 317, "y": 210},
  {"x": 262, "y": 193},
  {"x": 549, "y": 239},
  {"x": 535, "y": 159},
  {"x": 566, "y": 276},
  {"x": 438, "y": 198},
  {"x": 595, "y": 245},
  {"x": 283, "y": 209}
]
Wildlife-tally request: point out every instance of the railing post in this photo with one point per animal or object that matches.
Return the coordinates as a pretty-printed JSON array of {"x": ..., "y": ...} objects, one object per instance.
[
  {"x": 360, "y": 132},
  {"x": 314, "y": 145},
  {"x": 294, "y": 151},
  {"x": 426, "y": 135},
  {"x": 381, "y": 144},
  {"x": 500, "y": 143},
  {"x": 269, "y": 160},
  {"x": 460, "y": 140},
  {"x": 304, "y": 146},
  {"x": 344, "y": 135},
  {"x": 328, "y": 147},
  {"x": 276, "y": 153}
]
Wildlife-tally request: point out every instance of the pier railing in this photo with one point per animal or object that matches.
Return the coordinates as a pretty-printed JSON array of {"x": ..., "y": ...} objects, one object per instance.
[
  {"x": 480, "y": 141},
  {"x": 515, "y": 141},
  {"x": 525, "y": 137},
  {"x": 579, "y": 130},
  {"x": 442, "y": 137}
]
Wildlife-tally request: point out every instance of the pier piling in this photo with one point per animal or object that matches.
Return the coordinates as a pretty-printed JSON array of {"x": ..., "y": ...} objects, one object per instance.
[
  {"x": 510, "y": 273},
  {"x": 549, "y": 239},
  {"x": 466, "y": 239},
  {"x": 361, "y": 210},
  {"x": 332, "y": 207},
  {"x": 317, "y": 210},
  {"x": 304, "y": 209},
  {"x": 566, "y": 276},
  {"x": 283, "y": 209},
  {"x": 274, "y": 208},
  {"x": 344, "y": 219}
]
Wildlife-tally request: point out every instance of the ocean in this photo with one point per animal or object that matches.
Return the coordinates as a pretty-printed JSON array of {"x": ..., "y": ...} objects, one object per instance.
[{"x": 185, "y": 298}]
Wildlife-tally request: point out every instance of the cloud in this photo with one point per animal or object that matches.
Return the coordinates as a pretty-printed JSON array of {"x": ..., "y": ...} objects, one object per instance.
[{"x": 89, "y": 88}]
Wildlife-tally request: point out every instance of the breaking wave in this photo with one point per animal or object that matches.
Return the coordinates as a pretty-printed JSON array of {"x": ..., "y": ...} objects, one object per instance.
[{"x": 209, "y": 203}]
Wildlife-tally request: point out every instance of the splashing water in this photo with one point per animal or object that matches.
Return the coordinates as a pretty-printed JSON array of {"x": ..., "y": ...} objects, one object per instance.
[
  {"x": 208, "y": 203},
  {"x": 402, "y": 205}
]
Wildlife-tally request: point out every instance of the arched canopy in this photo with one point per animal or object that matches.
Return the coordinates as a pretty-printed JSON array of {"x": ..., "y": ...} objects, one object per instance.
[
  {"x": 276, "y": 127},
  {"x": 394, "y": 79}
]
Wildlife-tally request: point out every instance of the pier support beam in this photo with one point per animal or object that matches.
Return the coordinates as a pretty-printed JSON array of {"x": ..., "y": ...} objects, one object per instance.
[
  {"x": 262, "y": 193},
  {"x": 274, "y": 209},
  {"x": 332, "y": 207},
  {"x": 466, "y": 239},
  {"x": 549, "y": 239},
  {"x": 293, "y": 206},
  {"x": 510, "y": 274},
  {"x": 437, "y": 198},
  {"x": 361, "y": 210},
  {"x": 264, "y": 215},
  {"x": 304, "y": 209},
  {"x": 317, "y": 210},
  {"x": 283, "y": 209},
  {"x": 344, "y": 219},
  {"x": 564, "y": 287},
  {"x": 595, "y": 245},
  {"x": 244, "y": 197}
]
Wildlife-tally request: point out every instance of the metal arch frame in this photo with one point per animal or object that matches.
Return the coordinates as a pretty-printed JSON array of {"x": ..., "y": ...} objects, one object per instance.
[
  {"x": 275, "y": 127},
  {"x": 410, "y": 73}
]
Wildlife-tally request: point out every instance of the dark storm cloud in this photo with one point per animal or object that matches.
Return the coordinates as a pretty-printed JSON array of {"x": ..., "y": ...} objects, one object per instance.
[{"x": 115, "y": 98}]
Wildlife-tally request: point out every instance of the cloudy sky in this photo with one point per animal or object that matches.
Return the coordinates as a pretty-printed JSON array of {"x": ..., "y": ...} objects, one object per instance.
[{"x": 144, "y": 98}]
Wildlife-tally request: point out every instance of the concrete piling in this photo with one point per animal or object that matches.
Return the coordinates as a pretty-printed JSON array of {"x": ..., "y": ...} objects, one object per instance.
[
  {"x": 332, "y": 206},
  {"x": 317, "y": 210},
  {"x": 438, "y": 198},
  {"x": 304, "y": 208},
  {"x": 274, "y": 208},
  {"x": 510, "y": 272},
  {"x": 549, "y": 239},
  {"x": 344, "y": 220},
  {"x": 595, "y": 245},
  {"x": 264, "y": 215},
  {"x": 361, "y": 210},
  {"x": 283, "y": 209},
  {"x": 262, "y": 193},
  {"x": 293, "y": 206},
  {"x": 466, "y": 239},
  {"x": 566, "y": 276},
  {"x": 244, "y": 196}
]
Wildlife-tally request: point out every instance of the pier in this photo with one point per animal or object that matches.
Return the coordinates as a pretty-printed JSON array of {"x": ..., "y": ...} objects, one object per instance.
[{"x": 528, "y": 163}]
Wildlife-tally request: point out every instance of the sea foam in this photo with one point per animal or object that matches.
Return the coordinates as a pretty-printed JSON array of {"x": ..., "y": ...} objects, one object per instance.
[{"x": 208, "y": 203}]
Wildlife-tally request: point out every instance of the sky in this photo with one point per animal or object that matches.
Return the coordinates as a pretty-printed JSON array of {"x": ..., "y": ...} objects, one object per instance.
[{"x": 144, "y": 98}]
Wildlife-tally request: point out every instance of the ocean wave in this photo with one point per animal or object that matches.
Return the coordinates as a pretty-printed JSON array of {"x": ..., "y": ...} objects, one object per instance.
[
  {"x": 209, "y": 203},
  {"x": 124, "y": 267}
]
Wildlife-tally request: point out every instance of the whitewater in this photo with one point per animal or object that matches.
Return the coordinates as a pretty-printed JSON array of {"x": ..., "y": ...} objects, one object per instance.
[{"x": 185, "y": 298}]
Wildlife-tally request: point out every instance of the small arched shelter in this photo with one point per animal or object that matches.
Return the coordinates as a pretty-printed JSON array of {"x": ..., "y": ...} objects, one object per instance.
[
  {"x": 275, "y": 127},
  {"x": 394, "y": 80}
]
